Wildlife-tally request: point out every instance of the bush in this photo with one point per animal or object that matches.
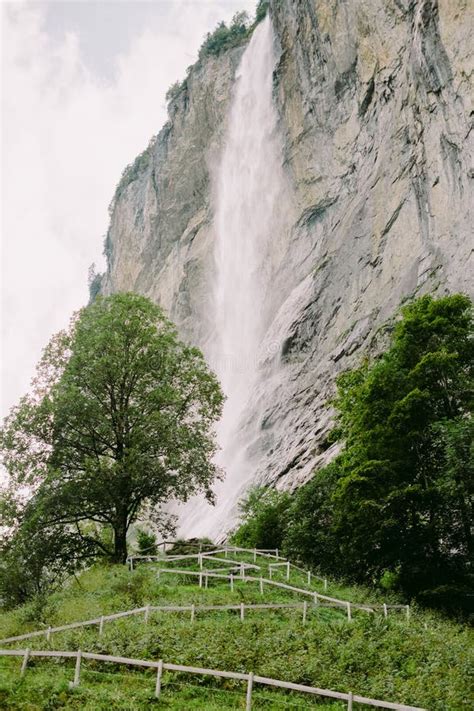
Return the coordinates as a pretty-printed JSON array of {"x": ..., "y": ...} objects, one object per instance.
[
  {"x": 175, "y": 90},
  {"x": 264, "y": 514},
  {"x": 224, "y": 37},
  {"x": 94, "y": 283},
  {"x": 261, "y": 11},
  {"x": 189, "y": 546},
  {"x": 146, "y": 543}
]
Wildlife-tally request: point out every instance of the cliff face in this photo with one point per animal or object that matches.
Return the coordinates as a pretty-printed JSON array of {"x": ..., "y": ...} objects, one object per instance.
[{"x": 373, "y": 99}]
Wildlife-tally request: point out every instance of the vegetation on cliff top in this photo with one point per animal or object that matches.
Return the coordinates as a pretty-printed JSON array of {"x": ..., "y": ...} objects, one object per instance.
[{"x": 221, "y": 39}]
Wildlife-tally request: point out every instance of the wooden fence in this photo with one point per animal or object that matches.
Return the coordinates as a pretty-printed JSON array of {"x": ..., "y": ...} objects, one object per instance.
[
  {"x": 203, "y": 576},
  {"x": 282, "y": 562},
  {"x": 148, "y": 609},
  {"x": 161, "y": 666}
]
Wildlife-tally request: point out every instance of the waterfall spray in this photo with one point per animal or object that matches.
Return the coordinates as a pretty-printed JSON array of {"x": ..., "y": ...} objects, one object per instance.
[{"x": 249, "y": 218}]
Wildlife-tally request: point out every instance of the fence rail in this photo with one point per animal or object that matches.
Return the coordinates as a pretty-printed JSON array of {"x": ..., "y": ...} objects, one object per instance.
[
  {"x": 161, "y": 666},
  {"x": 265, "y": 552},
  {"x": 193, "y": 609},
  {"x": 317, "y": 597}
]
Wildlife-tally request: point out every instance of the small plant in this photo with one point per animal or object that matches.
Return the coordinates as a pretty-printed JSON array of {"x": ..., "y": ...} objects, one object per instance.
[
  {"x": 94, "y": 282},
  {"x": 261, "y": 11},
  {"x": 175, "y": 90},
  {"x": 146, "y": 543}
]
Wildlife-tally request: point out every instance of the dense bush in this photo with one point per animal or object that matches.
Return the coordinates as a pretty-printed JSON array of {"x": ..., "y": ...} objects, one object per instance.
[
  {"x": 264, "y": 514},
  {"x": 224, "y": 37}
]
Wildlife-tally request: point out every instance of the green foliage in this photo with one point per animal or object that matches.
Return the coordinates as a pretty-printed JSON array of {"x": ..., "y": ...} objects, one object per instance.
[
  {"x": 190, "y": 545},
  {"x": 146, "y": 542},
  {"x": 264, "y": 515},
  {"x": 132, "y": 172},
  {"x": 120, "y": 420},
  {"x": 396, "y": 507},
  {"x": 309, "y": 536},
  {"x": 224, "y": 37},
  {"x": 94, "y": 282},
  {"x": 404, "y": 502},
  {"x": 261, "y": 11},
  {"x": 175, "y": 90}
]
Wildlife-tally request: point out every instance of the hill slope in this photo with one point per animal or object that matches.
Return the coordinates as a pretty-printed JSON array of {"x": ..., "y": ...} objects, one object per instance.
[{"x": 423, "y": 661}]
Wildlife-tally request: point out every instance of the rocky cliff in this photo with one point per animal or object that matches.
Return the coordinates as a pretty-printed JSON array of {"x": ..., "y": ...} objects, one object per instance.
[{"x": 375, "y": 118}]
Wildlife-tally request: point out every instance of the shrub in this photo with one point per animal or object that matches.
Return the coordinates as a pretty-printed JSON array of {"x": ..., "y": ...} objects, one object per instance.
[
  {"x": 261, "y": 11},
  {"x": 264, "y": 514},
  {"x": 224, "y": 37},
  {"x": 146, "y": 542},
  {"x": 175, "y": 90}
]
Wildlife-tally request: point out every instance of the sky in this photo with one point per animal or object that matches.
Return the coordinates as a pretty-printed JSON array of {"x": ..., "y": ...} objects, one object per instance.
[{"x": 83, "y": 89}]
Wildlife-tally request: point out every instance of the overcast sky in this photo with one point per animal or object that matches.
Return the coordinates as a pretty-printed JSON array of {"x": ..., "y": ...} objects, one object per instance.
[{"x": 83, "y": 91}]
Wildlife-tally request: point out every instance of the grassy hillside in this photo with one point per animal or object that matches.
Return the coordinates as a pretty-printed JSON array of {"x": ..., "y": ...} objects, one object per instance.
[{"x": 422, "y": 662}]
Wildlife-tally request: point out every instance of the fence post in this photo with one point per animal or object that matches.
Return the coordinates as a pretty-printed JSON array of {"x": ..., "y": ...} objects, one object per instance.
[
  {"x": 288, "y": 570},
  {"x": 48, "y": 634},
  {"x": 349, "y": 701},
  {"x": 277, "y": 556},
  {"x": 147, "y": 614},
  {"x": 77, "y": 671},
  {"x": 24, "y": 662},
  {"x": 270, "y": 570},
  {"x": 242, "y": 571},
  {"x": 349, "y": 616},
  {"x": 309, "y": 577},
  {"x": 131, "y": 565},
  {"x": 242, "y": 611},
  {"x": 325, "y": 584},
  {"x": 254, "y": 555},
  {"x": 200, "y": 561},
  {"x": 408, "y": 611},
  {"x": 315, "y": 598},
  {"x": 193, "y": 610},
  {"x": 101, "y": 626},
  {"x": 225, "y": 551},
  {"x": 200, "y": 580},
  {"x": 159, "y": 672},
  {"x": 248, "y": 706},
  {"x": 231, "y": 578},
  {"x": 384, "y": 610},
  {"x": 305, "y": 608},
  {"x": 261, "y": 585}
]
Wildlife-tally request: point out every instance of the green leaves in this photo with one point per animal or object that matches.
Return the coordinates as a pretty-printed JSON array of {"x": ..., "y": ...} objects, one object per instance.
[
  {"x": 398, "y": 502},
  {"x": 392, "y": 410},
  {"x": 121, "y": 416}
]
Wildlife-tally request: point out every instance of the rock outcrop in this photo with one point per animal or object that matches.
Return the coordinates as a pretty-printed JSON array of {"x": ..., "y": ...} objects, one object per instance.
[{"x": 373, "y": 98}]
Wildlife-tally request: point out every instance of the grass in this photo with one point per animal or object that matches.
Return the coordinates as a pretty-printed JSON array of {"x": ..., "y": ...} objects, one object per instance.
[{"x": 425, "y": 662}]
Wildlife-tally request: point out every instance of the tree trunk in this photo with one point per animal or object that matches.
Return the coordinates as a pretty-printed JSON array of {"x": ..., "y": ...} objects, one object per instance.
[{"x": 120, "y": 542}]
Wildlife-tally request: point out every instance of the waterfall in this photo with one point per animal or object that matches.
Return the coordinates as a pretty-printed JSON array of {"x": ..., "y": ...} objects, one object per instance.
[{"x": 249, "y": 214}]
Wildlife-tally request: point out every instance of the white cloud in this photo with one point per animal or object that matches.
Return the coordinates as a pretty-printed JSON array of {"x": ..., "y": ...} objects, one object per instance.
[{"x": 67, "y": 135}]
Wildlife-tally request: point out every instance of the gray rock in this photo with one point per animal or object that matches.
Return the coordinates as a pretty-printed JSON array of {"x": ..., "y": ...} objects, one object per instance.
[{"x": 374, "y": 100}]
